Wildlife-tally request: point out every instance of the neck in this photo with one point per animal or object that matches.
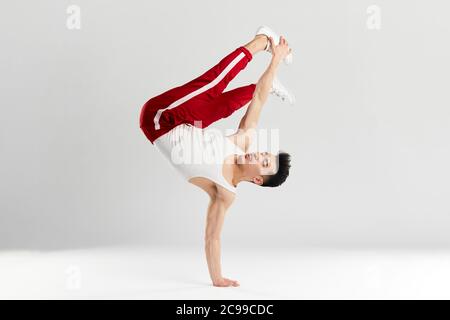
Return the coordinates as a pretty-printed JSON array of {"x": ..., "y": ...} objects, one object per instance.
[{"x": 238, "y": 174}]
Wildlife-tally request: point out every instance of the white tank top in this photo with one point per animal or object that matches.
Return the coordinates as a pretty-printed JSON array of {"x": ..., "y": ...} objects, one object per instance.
[{"x": 197, "y": 152}]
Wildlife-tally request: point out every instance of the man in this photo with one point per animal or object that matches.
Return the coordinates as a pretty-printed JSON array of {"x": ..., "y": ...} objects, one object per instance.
[{"x": 174, "y": 122}]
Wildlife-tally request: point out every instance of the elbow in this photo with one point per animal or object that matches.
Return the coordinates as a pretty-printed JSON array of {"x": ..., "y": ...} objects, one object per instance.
[
  {"x": 222, "y": 200},
  {"x": 261, "y": 96},
  {"x": 211, "y": 240},
  {"x": 262, "y": 89}
]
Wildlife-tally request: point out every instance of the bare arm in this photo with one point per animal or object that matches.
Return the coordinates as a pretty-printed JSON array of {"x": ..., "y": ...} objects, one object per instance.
[
  {"x": 217, "y": 209},
  {"x": 250, "y": 119},
  {"x": 263, "y": 86}
]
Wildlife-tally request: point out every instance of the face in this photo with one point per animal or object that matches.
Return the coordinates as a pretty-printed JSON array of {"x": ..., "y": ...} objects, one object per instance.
[{"x": 258, "y": 164}]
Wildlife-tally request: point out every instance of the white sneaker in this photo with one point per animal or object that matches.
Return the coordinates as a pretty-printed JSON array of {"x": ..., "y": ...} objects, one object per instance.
[
  {"x": 270, "y": 33},
  {"x": 279, "y": 90}
]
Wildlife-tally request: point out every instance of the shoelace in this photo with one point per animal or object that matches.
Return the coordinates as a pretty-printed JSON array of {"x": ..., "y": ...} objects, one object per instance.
[{"x": 279, "y": 93}]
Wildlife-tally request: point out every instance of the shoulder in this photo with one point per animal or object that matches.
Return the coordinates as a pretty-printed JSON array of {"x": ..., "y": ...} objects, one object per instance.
[
  {"x": 223, "y": 195},
  {"x": 216, "y": 192}
]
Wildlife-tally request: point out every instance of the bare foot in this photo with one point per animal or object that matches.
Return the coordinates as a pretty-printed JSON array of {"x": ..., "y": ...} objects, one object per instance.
[{"x": 225, "y": 282}]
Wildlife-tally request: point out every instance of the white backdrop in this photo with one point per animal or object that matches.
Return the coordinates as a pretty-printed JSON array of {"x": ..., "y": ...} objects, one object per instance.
[{"x": 368, "y": 135}]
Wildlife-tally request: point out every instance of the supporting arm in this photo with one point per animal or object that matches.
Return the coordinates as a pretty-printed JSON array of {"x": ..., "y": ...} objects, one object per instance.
[{"x": 217, "y": 209}]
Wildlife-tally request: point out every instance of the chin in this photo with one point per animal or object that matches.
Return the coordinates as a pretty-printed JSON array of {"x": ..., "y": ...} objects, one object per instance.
[{"x": 242, "y": 160}]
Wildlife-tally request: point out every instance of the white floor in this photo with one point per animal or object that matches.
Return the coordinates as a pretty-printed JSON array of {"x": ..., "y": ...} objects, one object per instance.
[{"x": 169, "y": 273}]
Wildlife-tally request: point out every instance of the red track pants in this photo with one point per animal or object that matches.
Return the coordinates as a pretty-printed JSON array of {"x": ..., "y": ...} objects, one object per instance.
[{"x": 201, "y": 100}]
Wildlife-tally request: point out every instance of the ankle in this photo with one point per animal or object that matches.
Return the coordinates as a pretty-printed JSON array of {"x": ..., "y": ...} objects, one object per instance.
[
  {"x": 259, "y": 43},
  {"x": 263, "y": 40}
]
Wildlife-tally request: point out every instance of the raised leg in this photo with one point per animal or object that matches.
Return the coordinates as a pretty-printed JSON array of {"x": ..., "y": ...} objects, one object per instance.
[
  {"x": 202, "y": 89},
  {"x": 212, "y": 76},
  {"x": 198, "y": 92}
]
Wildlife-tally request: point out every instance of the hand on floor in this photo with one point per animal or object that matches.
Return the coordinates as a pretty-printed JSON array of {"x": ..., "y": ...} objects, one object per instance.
[{"x": 225, "y": 282}]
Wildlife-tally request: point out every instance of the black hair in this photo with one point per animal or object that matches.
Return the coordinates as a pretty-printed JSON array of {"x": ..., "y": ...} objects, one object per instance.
[{"x": 284, "y": 164}]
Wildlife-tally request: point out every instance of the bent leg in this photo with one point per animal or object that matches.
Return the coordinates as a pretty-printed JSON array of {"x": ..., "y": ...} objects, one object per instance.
[
  {"x": 202, "y": 89},
  {"x": 212, "y": 82},
  {"x": 198, "y": 92}
]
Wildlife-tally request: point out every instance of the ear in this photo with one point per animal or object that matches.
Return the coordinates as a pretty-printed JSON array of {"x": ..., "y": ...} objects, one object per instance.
[{"x": 258, "y": 180}]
